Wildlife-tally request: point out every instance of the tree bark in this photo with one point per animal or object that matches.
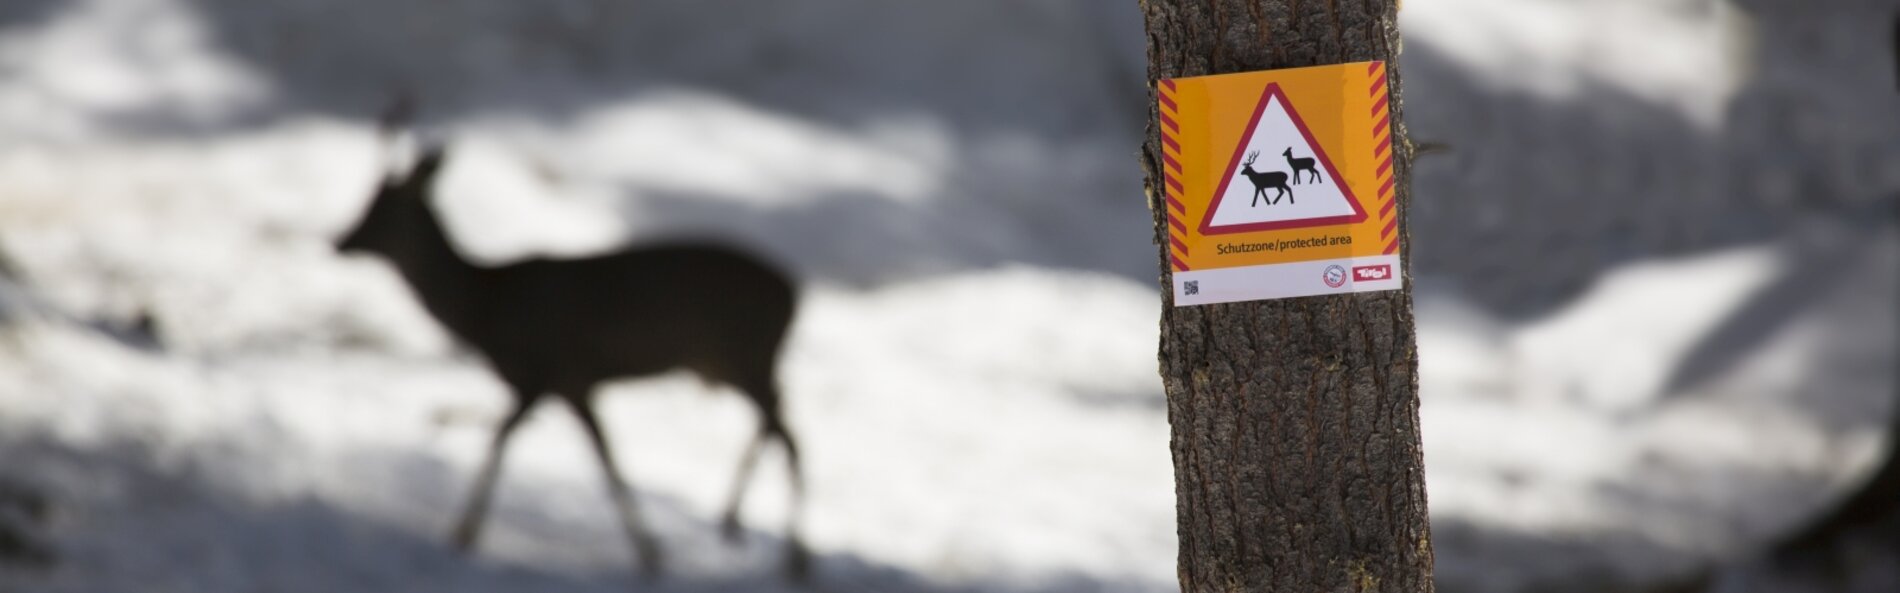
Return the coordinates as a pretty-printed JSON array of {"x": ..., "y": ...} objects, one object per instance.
[{"x": 1295, "y": 422}]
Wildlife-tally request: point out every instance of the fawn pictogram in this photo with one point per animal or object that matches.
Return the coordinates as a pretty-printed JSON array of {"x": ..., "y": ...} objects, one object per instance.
[{"x": 1301, "y": 165}]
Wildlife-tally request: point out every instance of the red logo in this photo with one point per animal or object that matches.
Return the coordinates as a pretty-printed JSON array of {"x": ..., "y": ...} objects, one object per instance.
[{"x": 1372, "y": 273}]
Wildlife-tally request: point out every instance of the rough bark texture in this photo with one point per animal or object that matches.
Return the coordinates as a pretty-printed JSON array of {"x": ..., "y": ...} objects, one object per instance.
[{"x": 1295, "y": 422}]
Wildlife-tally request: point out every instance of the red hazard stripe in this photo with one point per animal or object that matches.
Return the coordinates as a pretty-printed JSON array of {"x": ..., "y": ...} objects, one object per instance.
[
  {"x": 1172, "y": 184},
  {"x": 1381, "y": 109},
  {"x": 1172, "y": 128},
  {"x": 1176, "y": 205},
  {"x": 1179, "y": 266},
  {"x": 1182, "y": 247},
  {"x": 1176, "y": 223}
]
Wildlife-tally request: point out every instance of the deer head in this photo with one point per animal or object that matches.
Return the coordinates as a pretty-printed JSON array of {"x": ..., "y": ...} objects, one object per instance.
[
  {"x": 398, "y": 207},
  {"x": 400, "y": 202},
  {"x": 1251, "y": 157}
]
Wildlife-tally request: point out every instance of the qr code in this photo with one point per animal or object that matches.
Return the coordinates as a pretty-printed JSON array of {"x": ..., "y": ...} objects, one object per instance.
[{"x": 1191, "y": 287}]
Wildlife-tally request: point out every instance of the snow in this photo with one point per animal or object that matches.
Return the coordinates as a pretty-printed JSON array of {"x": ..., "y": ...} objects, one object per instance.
[
  {"x": 1692, "y": 55},
  {"x": 1627, "y": 374}
]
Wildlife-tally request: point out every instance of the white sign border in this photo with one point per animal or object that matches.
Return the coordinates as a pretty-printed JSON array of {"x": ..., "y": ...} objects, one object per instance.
[{"x": 1284, "y": 281}]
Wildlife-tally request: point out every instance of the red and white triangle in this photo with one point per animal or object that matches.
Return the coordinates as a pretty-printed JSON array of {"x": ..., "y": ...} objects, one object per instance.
[{"x": 1290, "y": 183}]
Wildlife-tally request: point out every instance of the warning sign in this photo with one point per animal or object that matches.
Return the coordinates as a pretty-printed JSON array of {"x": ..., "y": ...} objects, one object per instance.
[
  {"x": 1279, "y": 184},
  {"x": 1305, "y": 172}
]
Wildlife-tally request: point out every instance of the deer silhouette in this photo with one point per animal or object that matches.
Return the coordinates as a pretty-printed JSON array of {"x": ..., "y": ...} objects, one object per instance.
[
  {"x": 560, "y": 328},
  {"x": 1262, "y": 181},
  {"x": 1301, "y": 165}
]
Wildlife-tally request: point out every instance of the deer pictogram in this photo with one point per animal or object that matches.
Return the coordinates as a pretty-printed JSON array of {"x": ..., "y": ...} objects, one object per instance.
[
  {"x": 1262, "y": 181},
  {"x": 1301, "y": 165}
]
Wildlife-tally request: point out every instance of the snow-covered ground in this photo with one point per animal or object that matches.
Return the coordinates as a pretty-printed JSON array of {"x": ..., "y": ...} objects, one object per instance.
[{"x": 1656, "y": 310}]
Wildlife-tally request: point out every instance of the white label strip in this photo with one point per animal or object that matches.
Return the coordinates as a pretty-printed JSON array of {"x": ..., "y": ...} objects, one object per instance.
[{"x": 1281, "y": 281}]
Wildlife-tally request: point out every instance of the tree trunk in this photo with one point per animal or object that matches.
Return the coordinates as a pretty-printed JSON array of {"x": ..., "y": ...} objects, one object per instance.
[{"x": 1295, "y": 422}]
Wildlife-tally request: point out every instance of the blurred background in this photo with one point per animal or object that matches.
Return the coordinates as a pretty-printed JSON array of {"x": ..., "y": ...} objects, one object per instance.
[{"x": 1655, "y": 274}]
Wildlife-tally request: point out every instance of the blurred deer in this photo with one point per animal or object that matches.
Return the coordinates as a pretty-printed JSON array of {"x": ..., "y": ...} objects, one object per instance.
[
  {"x": 1262, "y": 181},
  {"x": 561, "y": 328}
]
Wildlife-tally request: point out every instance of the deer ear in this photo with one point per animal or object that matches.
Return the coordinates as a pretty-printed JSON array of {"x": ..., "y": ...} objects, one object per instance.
[
  {"x": 430, "y": 163},
  {"x": 399, "y": 113}
]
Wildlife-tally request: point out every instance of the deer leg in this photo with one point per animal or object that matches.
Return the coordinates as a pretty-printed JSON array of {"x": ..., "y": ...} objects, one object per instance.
[
  {"x": 730, "y": 524},
  {"x": 797, "y": 557},
  {"x": 470, "y": 527},
  {"x": 646, "y": 550},
  {"x": 772, "y": 426}
]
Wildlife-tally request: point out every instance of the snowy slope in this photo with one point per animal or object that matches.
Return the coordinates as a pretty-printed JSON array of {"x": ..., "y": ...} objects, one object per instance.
[{"x": 972, "y": 370}]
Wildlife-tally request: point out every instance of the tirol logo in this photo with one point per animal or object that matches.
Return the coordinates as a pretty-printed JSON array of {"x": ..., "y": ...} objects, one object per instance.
[
  {"x": 1371, "y": 273},
  {"x": 1334, "y": 277}
]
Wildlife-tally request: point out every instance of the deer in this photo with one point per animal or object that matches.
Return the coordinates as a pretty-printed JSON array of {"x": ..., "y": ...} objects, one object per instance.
[
  {"x": 1262, "y": 181},
  {"x": 1301, "y": 165},
  {"x": 558, "y": 329}
]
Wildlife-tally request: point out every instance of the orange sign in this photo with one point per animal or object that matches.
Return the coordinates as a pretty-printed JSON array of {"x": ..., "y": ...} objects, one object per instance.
[{"x": 1279, "y": 184}]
